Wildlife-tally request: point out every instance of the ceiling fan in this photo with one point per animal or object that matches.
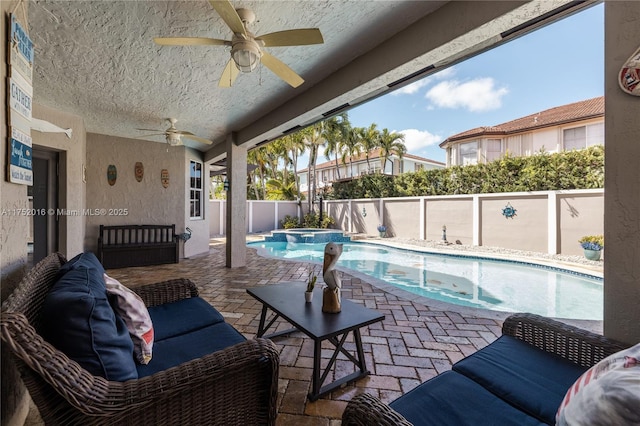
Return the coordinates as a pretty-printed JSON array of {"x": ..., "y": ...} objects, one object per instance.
[
  {"x": 174, "y": 136},
  {"x": 246, "y": 48}
]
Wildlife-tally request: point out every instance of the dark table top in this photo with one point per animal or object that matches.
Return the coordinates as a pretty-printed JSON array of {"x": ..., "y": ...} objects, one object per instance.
[{"x": 287, "y": 300}]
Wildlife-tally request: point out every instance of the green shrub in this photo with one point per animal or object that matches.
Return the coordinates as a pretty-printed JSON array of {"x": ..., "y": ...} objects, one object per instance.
[
  {"x": 312, "y": 220},
  {"x": 289, "y": 222},
  {"x": 577, "y": 169}
]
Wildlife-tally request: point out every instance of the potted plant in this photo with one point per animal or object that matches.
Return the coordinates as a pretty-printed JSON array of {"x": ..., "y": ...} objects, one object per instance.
[
  {"x": 382, "y": 230},
  {"x": 311, "y": 283},
  {"x": 592, "y": 246}
]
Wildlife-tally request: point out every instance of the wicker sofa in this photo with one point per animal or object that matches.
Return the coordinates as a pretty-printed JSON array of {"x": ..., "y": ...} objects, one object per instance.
[
  {"x": 520, "y": 379},
  {"x": 235, "y": 385}
]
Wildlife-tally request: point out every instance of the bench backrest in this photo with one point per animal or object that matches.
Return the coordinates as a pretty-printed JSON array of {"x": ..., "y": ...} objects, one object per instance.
[{"x": 136, "y": 234}]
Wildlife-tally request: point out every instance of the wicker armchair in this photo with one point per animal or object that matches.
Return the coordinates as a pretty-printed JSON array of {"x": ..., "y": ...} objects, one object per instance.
[
  {"x": 234, "y": 386},
  {"x": 574, "y": 344}
]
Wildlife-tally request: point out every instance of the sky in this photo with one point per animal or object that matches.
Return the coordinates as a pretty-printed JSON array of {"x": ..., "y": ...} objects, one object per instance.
[{"x": 555, "y": 65}]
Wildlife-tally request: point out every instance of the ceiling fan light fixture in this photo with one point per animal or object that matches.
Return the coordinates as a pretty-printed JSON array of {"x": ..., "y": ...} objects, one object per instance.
[
  {"x": 246, "y": 55},
  {"x": 173, "y": 139}
]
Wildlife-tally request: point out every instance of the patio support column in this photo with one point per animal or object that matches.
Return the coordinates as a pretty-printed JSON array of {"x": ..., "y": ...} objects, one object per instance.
[
  {"x": 236, "y": 204},
  {"x": 622, "y": 179}
]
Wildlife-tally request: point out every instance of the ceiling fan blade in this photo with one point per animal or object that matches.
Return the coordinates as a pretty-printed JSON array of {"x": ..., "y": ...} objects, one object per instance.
[
  {"x": 280, "y": 69},
  {"x": 152, "y": 134},
  {"x": 197, "y": 138},
  {"x": 300, "y": 37},
  {"x": 190, "y": 41},
  {"x": 229, "y": 74},
  {"x": 229, "y": 15},
  {"x": 151, "y": 130}
]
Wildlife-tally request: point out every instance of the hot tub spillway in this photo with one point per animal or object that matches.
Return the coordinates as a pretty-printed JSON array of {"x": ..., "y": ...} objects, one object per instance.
[{"x": 309, "y": 236}]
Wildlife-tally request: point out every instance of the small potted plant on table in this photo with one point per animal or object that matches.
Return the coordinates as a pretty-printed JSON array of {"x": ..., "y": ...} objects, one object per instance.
[
  {"x": 311, "y": 283},
  {"x": 592, "y": 246}
]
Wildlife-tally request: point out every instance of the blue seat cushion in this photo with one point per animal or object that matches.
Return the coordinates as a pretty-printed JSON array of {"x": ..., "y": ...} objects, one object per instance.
[
  {"x": 530, "y": 379},
  {"x": 186, "y": 315},
  {"x": 78, "y": 320},
  {"x": 453, "y": 399},
  {"x": 176, "y": 350}
]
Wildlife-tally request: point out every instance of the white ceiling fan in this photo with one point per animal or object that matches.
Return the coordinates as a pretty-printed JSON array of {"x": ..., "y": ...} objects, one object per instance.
[
  {"x": 174, "y": 136},
  {"x": 247, "y": 49}
]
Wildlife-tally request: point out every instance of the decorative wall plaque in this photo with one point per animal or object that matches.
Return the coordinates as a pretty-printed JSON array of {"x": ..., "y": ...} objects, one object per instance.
[
  {"x": 164, "y": 177},
  {"x": 629, "y": 78},
  {"x": 112, "y": 174},
  {"x": 139, "y": 170}
]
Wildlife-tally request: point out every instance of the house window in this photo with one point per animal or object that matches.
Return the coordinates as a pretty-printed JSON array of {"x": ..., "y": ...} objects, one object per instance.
[
  {"x": 195, "y": 190},
  {"x": 418, "y": 166},
  {"x": 493, "y": 149},
  {"x": 468, "y": 153},
  {"x": 584, "y": 136}
]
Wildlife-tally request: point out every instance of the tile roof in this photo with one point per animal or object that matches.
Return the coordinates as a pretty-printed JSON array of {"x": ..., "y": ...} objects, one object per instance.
[{"x": 582, "y": 110}]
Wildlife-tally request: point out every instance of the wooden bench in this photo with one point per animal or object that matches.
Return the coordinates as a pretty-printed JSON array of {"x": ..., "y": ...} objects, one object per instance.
[{"x": 122, "y": 246}]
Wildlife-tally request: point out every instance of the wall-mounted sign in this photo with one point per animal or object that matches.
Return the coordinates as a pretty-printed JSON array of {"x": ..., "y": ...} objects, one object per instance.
[
  {"x": 139, "y": 171},
  {"x": 164, "y": 178},
  {"x": 112, "y": 174},
  {"x": 21, "y": 50},
  {"x": 20, "y": 95},
  {"x": 20, "y": 157},
  {"x": 629, "y": 78}
]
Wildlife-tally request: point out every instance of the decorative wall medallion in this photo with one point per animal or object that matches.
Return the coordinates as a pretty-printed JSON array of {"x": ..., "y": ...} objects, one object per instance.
[
  {"x": 139, "y": 169},
  {"x": 509, "y": 212},
  {"x": 112, "y": 174},
  {"x": 629, "y": 77},
  {"x": 164, "y": 177}
]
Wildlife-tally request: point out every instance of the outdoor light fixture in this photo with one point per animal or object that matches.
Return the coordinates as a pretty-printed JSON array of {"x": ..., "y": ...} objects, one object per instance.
[
  {"x": 173, "y": 139},
  {"x": 225, "y": 185},
  {"x": 245, "y": 54}
]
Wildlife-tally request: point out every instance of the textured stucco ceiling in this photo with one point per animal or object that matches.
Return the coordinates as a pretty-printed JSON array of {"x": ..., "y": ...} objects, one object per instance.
[{"x": 97, "y": 59}]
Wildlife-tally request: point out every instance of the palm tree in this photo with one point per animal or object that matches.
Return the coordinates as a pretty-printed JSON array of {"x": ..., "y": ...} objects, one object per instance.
[
  {"x": 255, "y": 156},
  {"x": 294, "y": 146},
  {"x": 313, "y": 140},
  {"x": 353, "y": 146},
  {"x": 370, "y": 140},
  {"x": 335, "y": 132},
  {"x": 391, "y": 143}
]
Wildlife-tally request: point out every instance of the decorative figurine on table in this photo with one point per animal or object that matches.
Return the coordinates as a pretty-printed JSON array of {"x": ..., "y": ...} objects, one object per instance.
[{"x": 331, "y": 293}]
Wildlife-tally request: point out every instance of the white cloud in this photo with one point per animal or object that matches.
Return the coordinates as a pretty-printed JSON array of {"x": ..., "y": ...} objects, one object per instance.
[
  {"x": 416, "y": 140},
  {"x": 476, "y": 95},
  {"x": 414, "y": 87}
]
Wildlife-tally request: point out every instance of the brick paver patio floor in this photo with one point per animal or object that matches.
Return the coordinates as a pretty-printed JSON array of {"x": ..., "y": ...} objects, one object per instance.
[{"x": 412, "y": 344}]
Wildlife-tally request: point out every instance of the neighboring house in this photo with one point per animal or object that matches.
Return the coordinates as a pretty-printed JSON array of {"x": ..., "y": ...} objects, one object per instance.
[
  {"x": 327, "y": 172},
  {"x": 573, "y": 126}
]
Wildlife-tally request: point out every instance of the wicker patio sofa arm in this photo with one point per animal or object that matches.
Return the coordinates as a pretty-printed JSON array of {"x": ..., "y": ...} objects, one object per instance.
[
  {"x": 166, "y": 291},
  {"x": 234, "y": 386},
  {"x": 366, "y": 410},
  {"x": 572, "y": 343}
]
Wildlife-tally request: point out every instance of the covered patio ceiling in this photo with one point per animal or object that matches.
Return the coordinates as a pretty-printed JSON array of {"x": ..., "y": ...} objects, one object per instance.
[{"x": 97, "y": 59}]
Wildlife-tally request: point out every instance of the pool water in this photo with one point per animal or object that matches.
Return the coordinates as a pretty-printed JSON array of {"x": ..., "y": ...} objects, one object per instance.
[{"x": 500, "y": 285}]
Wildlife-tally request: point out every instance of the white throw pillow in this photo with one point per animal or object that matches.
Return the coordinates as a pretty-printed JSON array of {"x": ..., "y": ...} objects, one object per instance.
[
  {"x": 606, "y": 394},
  {"x": 136, "y": 316}
]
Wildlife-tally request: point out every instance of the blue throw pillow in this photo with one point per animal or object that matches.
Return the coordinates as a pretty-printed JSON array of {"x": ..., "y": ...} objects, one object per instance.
[{"x": 78, "y": 320}]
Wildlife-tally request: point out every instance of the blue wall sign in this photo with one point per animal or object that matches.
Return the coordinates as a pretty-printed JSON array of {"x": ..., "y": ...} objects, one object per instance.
[{"x": 20, "y": 158}]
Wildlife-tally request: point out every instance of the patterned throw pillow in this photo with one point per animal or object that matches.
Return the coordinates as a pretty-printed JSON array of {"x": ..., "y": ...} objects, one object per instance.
[
  {"x": 606, "y": 394},
  {"x": 135, "y": 314}
]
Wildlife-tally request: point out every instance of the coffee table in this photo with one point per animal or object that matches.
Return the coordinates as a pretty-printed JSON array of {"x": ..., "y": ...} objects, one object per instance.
[{"x": 286, "y": 301}]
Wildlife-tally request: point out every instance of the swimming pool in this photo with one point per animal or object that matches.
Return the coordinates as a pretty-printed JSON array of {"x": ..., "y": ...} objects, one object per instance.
[{"x": 500, "y": 285}]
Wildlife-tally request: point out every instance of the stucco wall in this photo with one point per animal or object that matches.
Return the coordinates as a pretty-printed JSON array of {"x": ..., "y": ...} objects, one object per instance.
[
  {"x": 576, "y": 213},
  {"x": 147, "y": 201},
  {"x": 525, "y": 231},
  {"x": 455, "y": 214},
  {"x": 402, "y": 217},
  {"x": 622, "y": 178},
  {"x": 263, "y": 216},
  {"x": 365, "y": 216},
  {"x": 478, "y": 219},
  {"x": 71, "y": 188}
]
